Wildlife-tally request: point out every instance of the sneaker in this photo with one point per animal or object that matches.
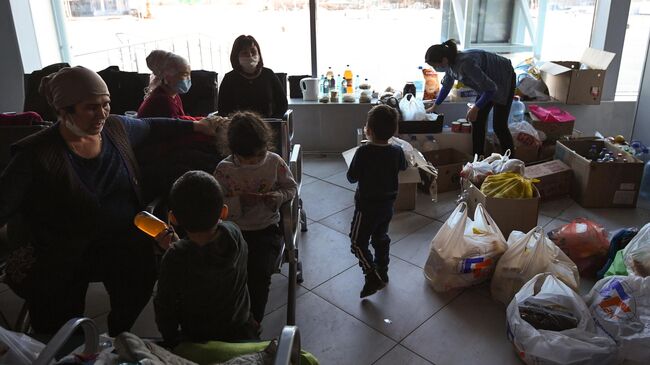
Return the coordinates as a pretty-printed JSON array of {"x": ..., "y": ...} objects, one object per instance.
[
  {"x": 372, "y": 285},
  {"x": 383, "y": 274}
]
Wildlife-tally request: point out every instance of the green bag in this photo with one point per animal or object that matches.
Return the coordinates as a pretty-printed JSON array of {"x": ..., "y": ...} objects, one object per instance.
[
  {"x": 216, "y": 351},
  {"x": 618, "y": 265}
]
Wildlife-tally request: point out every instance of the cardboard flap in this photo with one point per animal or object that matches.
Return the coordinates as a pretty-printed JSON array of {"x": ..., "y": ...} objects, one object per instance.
[
  {"x": 349, "y": 155},
  {"x": 553, "y": 68},
  {"x": 597, "y": 59}
]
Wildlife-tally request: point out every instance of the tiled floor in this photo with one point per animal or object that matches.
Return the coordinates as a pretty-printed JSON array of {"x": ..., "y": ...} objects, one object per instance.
[{"x": 406, "y": 323}]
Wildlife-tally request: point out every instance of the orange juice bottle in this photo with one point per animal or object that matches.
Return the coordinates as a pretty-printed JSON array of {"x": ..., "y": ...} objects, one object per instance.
[
  {"x": 347, "y": 75},
  {"x": 149, "y": 224}
]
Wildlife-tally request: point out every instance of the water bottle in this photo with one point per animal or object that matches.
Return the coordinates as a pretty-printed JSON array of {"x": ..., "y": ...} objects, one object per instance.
[
  {"x": 330, "y": 78},
  {"x": 419, "y": 83},
  {"x": 645, "y": 155},
  {"x": 149, "y": 224},
  {"x": 356, "y": 86},
  {"x": 593, "y": 153},
  {"x": 325, "y": 85},
  {"x": 644, "y": 190},
  {"x": 517, "y": 110}
]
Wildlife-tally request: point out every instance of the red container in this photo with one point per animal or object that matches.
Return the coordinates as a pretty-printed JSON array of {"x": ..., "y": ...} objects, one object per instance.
[
  {"x": 466, "y": 128},
  {"x": 456, "y": 127}
]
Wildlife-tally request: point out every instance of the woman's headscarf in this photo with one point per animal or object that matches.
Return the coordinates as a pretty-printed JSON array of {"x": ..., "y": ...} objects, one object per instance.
[{"x": 71, "y": 85}]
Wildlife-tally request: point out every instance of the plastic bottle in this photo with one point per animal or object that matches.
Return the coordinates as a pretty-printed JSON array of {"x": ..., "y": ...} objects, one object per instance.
[
  {"x": 356, "y": 86},
  {"x": 325, "y": 86},
  {"x": 344, "y": 86},
  {"x": 330, "y": 77},
  {"x": 517, "y": 110},
  {"x": 644, "y": 189},
  {"x": 645, "y": 155},
  {"x": 593, "y": 153},
  {"x": 603, "y": 153},
  {"x": 149, "y": 224},
  {"x": 419, "y": 83},
  {"x": 348, "y": 77}
]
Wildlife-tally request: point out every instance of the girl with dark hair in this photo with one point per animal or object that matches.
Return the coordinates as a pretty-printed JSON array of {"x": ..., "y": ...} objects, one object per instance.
[
  {"x": 250, "y": 86},
  {"x": 491, "y": 75}
]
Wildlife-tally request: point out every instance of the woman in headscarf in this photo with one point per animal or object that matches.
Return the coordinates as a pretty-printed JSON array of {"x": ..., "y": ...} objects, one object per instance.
[
  {"x": 250, "y": 86},
  {"x": 170, "y": 76},
  {"x": 74, "y": 188}
]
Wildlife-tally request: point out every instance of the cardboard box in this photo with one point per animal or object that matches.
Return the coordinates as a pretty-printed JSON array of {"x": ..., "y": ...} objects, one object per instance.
[
  {"x": 600, "y": 184},
  {"x": 554, "y": 178},
  {"x": 574, "y": 82},
  {"x": 527, "y": 154},
  {"x": 449, "y": 162},
  {"x": 552, "y": 130},
  {"x": 408, "y": 184},
  {"x": 509, "y": 214}
]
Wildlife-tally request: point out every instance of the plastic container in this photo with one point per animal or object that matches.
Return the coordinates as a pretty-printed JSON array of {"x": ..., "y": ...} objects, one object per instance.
[
  {"x": 348, "y": 76},
  {"x": 149, "y": 224},
  {"x": 517, "y": 110},
  {"x": 418, "y": 81}
]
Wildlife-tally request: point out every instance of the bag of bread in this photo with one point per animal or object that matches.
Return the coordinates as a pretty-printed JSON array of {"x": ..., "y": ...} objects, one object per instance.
[
  {"x": 431, "y": 84},
  {"x": 528, "y": 255},
  {"x": 464, "y": 252},
  {"x": 637, "y": 253}
]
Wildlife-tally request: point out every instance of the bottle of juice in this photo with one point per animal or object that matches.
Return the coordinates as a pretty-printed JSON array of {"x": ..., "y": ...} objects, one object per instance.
[
  {"x": 149, "y": 224},
  {"x": 347, "y": 75}
]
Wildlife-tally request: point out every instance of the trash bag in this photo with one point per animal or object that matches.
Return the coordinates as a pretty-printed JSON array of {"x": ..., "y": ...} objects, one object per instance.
[
  {"x": 637, "y": 253},
  {"x": 620, "y": 306},
  {"x": 18, "y": 348},
  {"x": 556, "y": 304},
  {"x": 508, "y": 185},
  {"x": 528, "y": 255},
  {"x": 412, "y": 108},
  {"x": 464, "y": 252},
  {"x": 585, "y": 242}
]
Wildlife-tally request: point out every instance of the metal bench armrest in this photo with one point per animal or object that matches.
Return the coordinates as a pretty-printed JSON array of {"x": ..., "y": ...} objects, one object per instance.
[{"x": 288, "y": 347}]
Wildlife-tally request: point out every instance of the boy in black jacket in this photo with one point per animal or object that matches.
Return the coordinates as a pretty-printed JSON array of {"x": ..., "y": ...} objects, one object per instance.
[
  {"x": 375, "y": 167},
  {"x": 202, "y": 293}
]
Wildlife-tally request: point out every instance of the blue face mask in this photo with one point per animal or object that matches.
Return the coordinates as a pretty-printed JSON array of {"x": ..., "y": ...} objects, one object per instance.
[{"x": 183, "y": 86}]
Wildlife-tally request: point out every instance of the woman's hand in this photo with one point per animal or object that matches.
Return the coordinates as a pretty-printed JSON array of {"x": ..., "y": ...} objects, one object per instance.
[
  {"x": 432, "y": 108},
  {"x": 166, "y": 238},
  {"x": 472, "y": 114}
]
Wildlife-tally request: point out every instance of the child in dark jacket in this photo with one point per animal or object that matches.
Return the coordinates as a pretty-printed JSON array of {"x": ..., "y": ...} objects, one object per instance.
[
  {"x": 375, "y": 167},
  {"x": 202, "y": 293}
]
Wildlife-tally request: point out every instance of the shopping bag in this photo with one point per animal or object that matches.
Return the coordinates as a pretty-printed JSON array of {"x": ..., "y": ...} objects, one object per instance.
[
  {"x": 637, "y": 253},
  {"x": 412, "y": 108},
  {"x": 464, "y": 252},
  {"x": 528, "y": 255},
  {"x": 524, "y": 134},
  {"x": 620, "y": 306},
  {"x": 549, "y": 323},
  {"x": 585, "y": 242},
  {"x": 18, "y": 348},
  {"x": 508, "y": 185}
]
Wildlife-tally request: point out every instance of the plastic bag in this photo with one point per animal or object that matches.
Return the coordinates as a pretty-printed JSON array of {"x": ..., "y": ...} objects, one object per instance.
[
  {"x": 637, "y": 253},
  {"x": 18, "y": 348},
  {"x": 476, "y": 171},
  {"x": 412, "y": 108},
  {"x": 617, "y": 266},
  {"x": 528, "y": 255},
  {"x": 579, "y": 345},
  {"x": 464, "y": 252},
  {"x": 524, "y": 134},
  {"x": 620, "y": 306},
  {"x": 508, "y": 185},
  {"x": 585, "y": 242},
  {"x": 551, "y": 114}
]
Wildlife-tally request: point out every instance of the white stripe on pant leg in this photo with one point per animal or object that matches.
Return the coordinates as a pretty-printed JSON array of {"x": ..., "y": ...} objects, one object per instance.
[{"x": 355, "y": 232}]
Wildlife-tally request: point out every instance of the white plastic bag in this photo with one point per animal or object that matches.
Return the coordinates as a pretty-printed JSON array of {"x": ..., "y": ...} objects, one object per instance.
[
  {"x": 524, "y": 134},
  {"x": 464, "y": 252},
  {"x": 412, "y": 108},
  {"x": 18, "y": 348},
  {"x": 637, "y": 253},
  {"x": 620, "y": 305},
  {"x": 579, "y": 345},
  {"x": 527, "y": 256},
  {"x": 476, "y": 171}
]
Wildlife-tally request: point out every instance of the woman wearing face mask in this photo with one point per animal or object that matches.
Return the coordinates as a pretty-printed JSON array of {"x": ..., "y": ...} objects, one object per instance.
[
  {"x": 488, "y": 74},
  {"x": 170, "y": 76},
  {"x": 75, "y": 188},
  {"x": 250, "y": 86}
]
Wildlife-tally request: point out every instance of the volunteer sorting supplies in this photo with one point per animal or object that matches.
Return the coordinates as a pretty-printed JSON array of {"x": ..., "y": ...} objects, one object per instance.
[
  {"x": 528, "y": 255},
  {"x": 575, "y": 342},
  {"x": 637, "y": 253},
  {"x": 464, "y": 252},
  {"x": 620, "y": 306}
]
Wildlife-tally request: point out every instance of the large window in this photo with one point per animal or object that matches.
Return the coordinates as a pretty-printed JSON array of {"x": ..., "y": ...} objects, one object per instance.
[{"x": 634, "y": 49}]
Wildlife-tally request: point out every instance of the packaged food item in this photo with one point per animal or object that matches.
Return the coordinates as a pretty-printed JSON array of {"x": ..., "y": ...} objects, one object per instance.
[
  {"x": 551, "y": 317},
  {"x": 431, "y": 84}
]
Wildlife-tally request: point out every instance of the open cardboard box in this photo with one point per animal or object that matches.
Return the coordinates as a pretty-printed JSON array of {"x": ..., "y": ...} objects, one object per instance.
[
  {"x": 600, "y": 184},
  {"x": 554, "y": 178},
  {"x": 509, "y": 214},
  {"x": 572, "y": 83},
  {"x": 449, "y": 163},
  {"x": 408, "y": 183}
]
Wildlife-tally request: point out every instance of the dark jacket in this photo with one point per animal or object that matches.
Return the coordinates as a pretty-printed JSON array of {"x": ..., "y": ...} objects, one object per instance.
[
  {"x": 263, "y": 94},
  {"x": 375, "y": 167},
  {"x": 202, "y": 289}
]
